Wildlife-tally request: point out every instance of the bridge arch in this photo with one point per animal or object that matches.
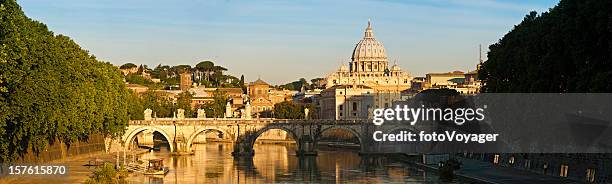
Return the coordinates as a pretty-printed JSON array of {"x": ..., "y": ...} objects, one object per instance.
[
  {"x": 202, "y": 130},
  {"x": 130, "y": 138},
  {"x": 258, "y": 133},
  {"x": 336, "y": 127}
]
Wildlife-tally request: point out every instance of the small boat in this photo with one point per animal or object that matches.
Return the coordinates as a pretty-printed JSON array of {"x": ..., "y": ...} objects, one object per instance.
[{"x": 156, "y": 167}]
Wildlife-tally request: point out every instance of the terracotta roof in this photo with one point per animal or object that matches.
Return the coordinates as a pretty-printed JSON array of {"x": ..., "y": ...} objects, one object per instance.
[{"x": 259, "y": 82}]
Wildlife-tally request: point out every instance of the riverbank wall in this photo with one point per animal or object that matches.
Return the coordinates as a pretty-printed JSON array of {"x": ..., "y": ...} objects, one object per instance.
[{"x": 59, "y": 151}]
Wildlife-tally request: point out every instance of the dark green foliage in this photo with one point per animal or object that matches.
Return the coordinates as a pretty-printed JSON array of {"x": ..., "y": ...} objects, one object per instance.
[
  {"x": 204, "y": 73},
  {"x": 568, "y": 49},
  {"x": 184, "y": 102},
  {"x": 290, "y": 110},
  {"x": 216, "y": 108},
  {"x": 107, "y": 174},
  {"x": 295, "y": 85},
  {"x": 135, "y": 106},
  {"x": 161, "y": 104},
  {"x": 127, "y": 65},
  {"x": 135, "y": 78},
  {"x": 52, "y": 89},
  {"x": 298, "y": 85}
]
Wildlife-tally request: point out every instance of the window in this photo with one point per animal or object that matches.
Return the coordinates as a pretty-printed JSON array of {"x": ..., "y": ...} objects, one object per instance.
[
  {"x": 564, "y": 169},
  {"x": 590, "y": 175},
  {"x": 354, "y": 106},
  {"x": 511, "y": 160},
  {"x": 340, "y": 107}
]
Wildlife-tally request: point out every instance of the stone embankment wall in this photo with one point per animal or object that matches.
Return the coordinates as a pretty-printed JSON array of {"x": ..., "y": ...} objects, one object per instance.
[{"x": 60, "y": 151}]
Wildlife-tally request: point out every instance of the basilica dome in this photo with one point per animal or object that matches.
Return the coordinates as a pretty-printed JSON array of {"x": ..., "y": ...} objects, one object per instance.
[{"x": 369, "y": 48}]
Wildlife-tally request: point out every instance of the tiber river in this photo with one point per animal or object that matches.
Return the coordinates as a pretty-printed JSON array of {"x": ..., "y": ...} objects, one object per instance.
[
  {"x": 213, "y": 163},
  {"x": 272, "y": 163}
]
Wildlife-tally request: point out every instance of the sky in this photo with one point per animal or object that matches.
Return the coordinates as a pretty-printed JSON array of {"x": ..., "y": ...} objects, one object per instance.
[{"x": 282, "y": 41}]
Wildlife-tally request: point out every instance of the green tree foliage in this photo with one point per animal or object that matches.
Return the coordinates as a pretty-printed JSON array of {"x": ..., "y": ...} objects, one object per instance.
[
  {"x": 568, "y": 49},
  {"x": 135, "y": 78},
  {"x": 52, "y": 88},
  {"x": 289, "y": 110},
  {"x": 128, "y": 65},
  {"x": 205, "y": 73},
  {"x": 135, "y": 106},
  {"x": 184, "y": 102},
  {"x": 296, "y": 85},
  {"x": 107, "y": 174},
  {"x": 211, "y": 75},
  {"x": 216, "y": 108},
  {"x": 161, "y": 105}
]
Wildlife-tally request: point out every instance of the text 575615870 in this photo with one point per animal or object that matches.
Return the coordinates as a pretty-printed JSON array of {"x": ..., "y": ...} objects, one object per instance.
[{"x": 30, "y": 170}]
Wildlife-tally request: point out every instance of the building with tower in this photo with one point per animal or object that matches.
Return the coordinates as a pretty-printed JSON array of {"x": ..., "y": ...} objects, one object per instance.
[{"x": 369, "y": 67}]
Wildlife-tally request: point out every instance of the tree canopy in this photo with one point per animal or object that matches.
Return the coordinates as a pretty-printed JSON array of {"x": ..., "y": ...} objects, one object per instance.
[
  {"x": 128, "y": 65},
  {"x": 51, "y": 88},
  {"x": 567, "y": 49}
]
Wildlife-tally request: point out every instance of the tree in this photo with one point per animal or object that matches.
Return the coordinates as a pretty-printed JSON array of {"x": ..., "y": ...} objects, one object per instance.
[
  {"x": 128, "y": 65},
  {"x": 288, "y": 110},
  {"x": 107, "y": 174},
  {"x": 216, "y": 108},
  {"x": 296, "y": 85},
  {"x": 52, "y": 89},
  {"x": 184, "y": 102},
  {"x": 135, "y": 106},
  {"x": 564, "y": 50},
  {"x": 205, "y": 67},
  {"x": 158, "y": 103}
]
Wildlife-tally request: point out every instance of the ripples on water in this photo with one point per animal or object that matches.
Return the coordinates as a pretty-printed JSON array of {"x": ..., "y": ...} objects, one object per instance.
[{"x": 213, "y": 163}]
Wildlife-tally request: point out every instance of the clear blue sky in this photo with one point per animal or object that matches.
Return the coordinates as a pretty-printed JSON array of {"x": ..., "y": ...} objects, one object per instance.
[{"x": 281, "y": 41}]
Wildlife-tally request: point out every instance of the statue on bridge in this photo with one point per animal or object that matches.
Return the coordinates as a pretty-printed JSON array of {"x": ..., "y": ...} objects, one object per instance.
[
  {"x": 147, "y": 114},
  {"x": 201, "y": 114},
  {"x": 180, "y": 114},
  {"x": 228, "y": 110}
]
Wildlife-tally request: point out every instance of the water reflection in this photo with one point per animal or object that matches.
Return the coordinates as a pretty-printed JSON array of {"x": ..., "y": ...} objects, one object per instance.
[{"x": 213, "y": 163}]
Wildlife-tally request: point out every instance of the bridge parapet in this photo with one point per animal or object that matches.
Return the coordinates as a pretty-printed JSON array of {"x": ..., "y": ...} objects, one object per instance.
[{"x": 213, "y": 121}]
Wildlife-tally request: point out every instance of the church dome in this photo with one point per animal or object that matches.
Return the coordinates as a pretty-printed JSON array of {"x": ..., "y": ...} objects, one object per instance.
[{"x": 369, "y": 48}]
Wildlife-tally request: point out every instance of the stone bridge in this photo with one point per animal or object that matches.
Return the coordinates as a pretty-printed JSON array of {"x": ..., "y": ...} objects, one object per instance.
[{"x": 182, "y": 133}]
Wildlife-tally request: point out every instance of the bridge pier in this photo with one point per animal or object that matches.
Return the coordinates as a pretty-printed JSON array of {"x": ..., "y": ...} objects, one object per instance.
[
  {"x": 243, "y": 149},
  {"x": 306, "y": 146}
]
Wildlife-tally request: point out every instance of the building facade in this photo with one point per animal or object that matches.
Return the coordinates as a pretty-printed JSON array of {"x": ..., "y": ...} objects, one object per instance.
[
  {"x": 261, "y": 104},
  {"x": 369, "y": 67},
  {"x": 343, "y": 102}
]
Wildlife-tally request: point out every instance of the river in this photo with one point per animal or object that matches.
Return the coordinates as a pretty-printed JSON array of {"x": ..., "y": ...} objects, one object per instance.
[{"x": 213, "y": 163}]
